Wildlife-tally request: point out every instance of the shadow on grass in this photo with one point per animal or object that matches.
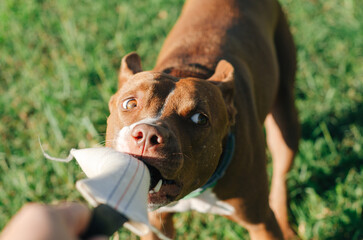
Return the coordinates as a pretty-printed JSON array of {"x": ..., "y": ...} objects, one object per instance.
[
  {"x": 349, "y": 227},
  {"x": 330, "y": 177},
  {"x": 322, "y": 181},
  {"x": 336, "y": 126}
]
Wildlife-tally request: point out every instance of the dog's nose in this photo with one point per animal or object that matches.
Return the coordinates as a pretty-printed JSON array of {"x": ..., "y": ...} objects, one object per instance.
[{"x": 147, "y": 136}]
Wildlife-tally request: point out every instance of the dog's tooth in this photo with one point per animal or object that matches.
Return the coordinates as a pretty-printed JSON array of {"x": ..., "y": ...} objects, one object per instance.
[
  {"x": 158, "y": 186},
  {"x": 151, "y": 191}
]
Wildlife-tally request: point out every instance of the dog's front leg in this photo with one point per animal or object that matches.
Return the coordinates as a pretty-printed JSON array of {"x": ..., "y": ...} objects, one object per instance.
[{"x": 163, "y": 222}]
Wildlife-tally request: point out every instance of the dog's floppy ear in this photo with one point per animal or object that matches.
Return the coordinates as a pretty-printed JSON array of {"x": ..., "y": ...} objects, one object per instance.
[
  {"x": 130, "y": 65},
  {"x": 224, "y": 77}
]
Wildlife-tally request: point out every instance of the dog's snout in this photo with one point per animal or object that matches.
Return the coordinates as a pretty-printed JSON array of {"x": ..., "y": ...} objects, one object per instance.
[{"x": 147, "y": 135}]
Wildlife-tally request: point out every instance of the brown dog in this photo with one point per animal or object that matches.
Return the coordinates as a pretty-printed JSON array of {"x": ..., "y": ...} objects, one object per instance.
[{"x": 226, "y": 68}]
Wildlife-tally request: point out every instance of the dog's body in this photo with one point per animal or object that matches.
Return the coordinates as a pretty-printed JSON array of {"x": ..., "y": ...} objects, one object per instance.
[{"x": 177, "y": 117}]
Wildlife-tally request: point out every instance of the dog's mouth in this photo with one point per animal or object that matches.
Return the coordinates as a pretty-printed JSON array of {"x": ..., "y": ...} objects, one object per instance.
[{"x": 162, "y": 191}]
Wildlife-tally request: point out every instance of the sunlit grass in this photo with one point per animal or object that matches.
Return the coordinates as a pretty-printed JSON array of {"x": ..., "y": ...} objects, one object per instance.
[{"x": 58, "y": 68}]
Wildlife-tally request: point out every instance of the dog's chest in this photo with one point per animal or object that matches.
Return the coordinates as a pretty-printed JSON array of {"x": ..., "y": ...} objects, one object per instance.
[{"x": 206, "y": 202}]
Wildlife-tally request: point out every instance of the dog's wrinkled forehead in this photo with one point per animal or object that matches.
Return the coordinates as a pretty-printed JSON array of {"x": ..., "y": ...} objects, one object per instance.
[
  {"x": 152, "y": 76},
  {"x": 153, "y": 84},
  {"x": 162, "y": 95}
]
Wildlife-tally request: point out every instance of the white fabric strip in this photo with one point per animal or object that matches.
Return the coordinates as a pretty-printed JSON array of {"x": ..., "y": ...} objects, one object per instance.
[{"x": 118, "y": 180}]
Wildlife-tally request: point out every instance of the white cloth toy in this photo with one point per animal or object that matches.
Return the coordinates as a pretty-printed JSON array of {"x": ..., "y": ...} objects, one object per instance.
[{"x": 117, "y": 180}]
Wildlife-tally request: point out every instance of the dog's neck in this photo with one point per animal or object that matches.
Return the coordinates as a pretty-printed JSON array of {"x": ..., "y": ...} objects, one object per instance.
[{"x": 224, "y": 161}]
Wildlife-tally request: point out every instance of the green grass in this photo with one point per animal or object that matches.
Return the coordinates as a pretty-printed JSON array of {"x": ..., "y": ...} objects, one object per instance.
[{"x": 58, "y": 68}]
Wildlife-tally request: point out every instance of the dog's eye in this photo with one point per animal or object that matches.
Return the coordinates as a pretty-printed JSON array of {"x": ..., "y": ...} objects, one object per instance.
[
  {"x": 129, "y": 104},
  {"x": 199, "y": 119}
]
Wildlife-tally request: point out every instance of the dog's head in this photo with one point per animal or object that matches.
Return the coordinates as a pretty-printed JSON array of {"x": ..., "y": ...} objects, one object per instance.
[{"x": 175, "y": 125}]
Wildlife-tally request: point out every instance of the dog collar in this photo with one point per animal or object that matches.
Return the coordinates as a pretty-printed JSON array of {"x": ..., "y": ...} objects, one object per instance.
[{"x": 224, "y": 162}]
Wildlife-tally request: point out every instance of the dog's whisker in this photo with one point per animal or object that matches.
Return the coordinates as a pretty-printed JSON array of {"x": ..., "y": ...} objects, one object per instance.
[{"x": 106, "y": 141}]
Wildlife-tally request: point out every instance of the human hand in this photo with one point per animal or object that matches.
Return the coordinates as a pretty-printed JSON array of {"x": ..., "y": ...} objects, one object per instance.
[{"x": 36, "y": 221}]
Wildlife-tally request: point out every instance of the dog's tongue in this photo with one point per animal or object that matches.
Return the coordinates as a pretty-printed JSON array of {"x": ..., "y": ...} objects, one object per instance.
[{"x": 117, "y": 180}]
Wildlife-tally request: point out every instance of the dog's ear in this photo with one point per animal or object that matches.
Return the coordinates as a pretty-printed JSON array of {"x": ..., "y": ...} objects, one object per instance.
[
  {"x": 130, "y": 65},
  {"x": 223, "y": 78}
]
